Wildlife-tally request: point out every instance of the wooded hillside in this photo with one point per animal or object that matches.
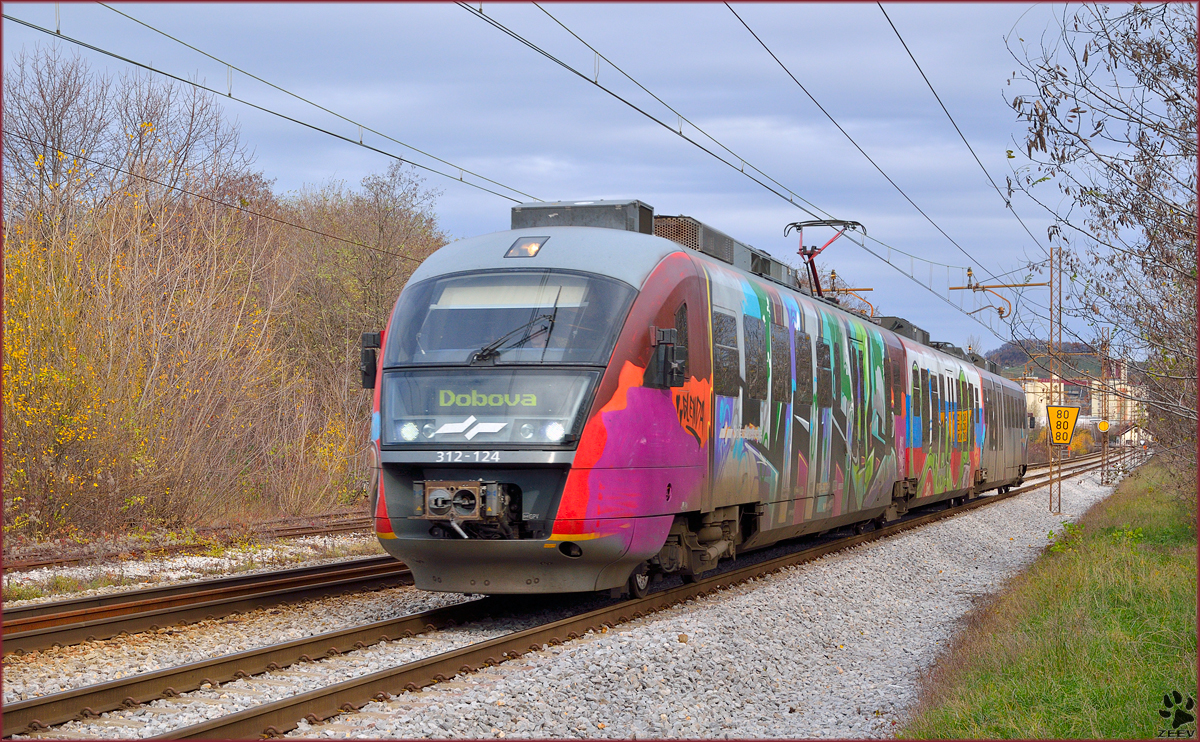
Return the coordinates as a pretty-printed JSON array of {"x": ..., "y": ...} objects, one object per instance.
[{"x": 180, "y": 342}]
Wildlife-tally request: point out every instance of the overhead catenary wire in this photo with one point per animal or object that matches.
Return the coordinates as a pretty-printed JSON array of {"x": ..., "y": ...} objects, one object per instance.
[
  {"x": 361, "y": 127},
  {"x": 741, "y": 166},
  {"x": 1007, "y": 200},
  {"x": 314, "y": 127},
  {"x": 742, "y": 162},
  {"x": 236, "y": 207},
  {"x": 863, "y": 152}
]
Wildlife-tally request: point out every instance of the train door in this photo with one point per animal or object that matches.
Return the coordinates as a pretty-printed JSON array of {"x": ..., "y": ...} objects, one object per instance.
[
  {"x": 989, "y": 418},
  {"x": 935, "y": 432},
  {"x": 802, "y": 413},
  {"x": 894, "y": 437},
  {"x": 824, "y": 415},
  {"x": 727, "y": 388},
  {"x": 779, "y": 410},
  {"x": 915, "y": 439},
  {"x": 857, "y": 425},
  {"x": 976, "y": 417}
]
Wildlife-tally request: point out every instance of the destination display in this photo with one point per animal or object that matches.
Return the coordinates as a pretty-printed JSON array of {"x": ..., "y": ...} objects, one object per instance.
[{"x": 484, "y": 406}]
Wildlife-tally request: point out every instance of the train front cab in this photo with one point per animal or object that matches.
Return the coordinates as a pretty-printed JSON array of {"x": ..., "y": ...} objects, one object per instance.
[{"x": 553, "y": 463}]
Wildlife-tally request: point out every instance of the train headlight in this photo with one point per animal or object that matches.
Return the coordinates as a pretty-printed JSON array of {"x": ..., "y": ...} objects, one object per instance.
[
  {"x": 555, "y": 432},
  {"x": 465, "y": 502},
  {"x": 527, "y": 431},
  {"x": 428, "y": 430},
  {"x": 440, "y": 501},
  {"x": 409, "y": 432}
]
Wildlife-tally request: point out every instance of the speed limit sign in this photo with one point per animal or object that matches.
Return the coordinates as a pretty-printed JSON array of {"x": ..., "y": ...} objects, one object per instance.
[{"x": 1062, "y": 423}]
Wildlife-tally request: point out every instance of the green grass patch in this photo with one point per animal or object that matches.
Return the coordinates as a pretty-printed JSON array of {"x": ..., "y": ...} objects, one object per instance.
[{"x": 1087, "y": 641}]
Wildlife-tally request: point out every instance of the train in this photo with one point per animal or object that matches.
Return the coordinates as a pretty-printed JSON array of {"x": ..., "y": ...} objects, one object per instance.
[{"x": 601, "y": 397}]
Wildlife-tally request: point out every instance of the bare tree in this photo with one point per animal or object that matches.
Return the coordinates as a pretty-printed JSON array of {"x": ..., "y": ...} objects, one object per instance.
[
  {"x": 54, "y": 108},
  {"x": 1109, "y": 100}
]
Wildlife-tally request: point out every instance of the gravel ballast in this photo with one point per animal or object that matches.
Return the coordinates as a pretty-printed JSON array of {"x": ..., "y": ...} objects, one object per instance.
[
  {"x": 833, "y": 648},
  {"x": 134, "y": 574}
]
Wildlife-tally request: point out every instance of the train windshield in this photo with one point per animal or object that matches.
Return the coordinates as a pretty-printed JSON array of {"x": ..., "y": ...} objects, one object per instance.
[{"x": 508, "y": 317}]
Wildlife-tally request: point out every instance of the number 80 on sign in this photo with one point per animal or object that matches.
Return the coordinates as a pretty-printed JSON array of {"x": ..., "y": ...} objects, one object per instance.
[{"x": 1062, "y": 423}]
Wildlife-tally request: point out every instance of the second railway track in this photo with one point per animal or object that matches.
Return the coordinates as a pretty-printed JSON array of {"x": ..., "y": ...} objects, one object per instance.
[{"x": 44, "y": 625}]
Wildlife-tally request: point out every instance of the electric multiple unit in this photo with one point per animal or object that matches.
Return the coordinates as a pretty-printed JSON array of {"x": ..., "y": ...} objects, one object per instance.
[{"x": 564, "y": 408}]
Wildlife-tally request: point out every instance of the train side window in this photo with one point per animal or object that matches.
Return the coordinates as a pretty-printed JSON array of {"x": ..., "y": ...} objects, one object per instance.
[
  {"x": 804, "y": 374},
  {"x": 754, "y": 330},
  {"x": 839, "y": 373},
  {"x": 781, "y": 365},
  {"x": 964, "y": 407},
  {"x": 935, "y": 396},
  {"x": 989, "y": 409},
  {"x": 1000, "y": 420},
  {"x": 974, "y": 412},
  {"x": 727, "y": 375},
  {"x": 895, "y": 363},
  {"x": 948, "y": 388},
  {"x": 681, "y": 337},
  {"x": 824, "y": 375},
  {"x": 916, "y": 391}
]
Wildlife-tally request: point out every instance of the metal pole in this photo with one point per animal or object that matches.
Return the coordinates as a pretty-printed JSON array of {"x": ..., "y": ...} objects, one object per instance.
[
  {"x": 1106, "y": 467},
  {"x": 1056, "y": 396}
]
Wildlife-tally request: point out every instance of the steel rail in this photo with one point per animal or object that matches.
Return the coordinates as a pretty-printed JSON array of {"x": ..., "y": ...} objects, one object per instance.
[
  {"x": 41, "y": 632},
  {"x": 278, "y": 717},
  {"x": 161, "y": 592},
  {"x": 180, "y": 588},
  {"x": 45, "y": 711}
]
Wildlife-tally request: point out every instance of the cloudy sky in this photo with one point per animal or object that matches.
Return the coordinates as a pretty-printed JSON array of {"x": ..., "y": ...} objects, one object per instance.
[{"x": 441, "y": 79}]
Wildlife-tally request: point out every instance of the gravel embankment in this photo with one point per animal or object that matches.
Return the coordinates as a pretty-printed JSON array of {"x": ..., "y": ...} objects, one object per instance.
[
  {"x": 833, "y": 648},
  {"x": 828, "y": 649}
]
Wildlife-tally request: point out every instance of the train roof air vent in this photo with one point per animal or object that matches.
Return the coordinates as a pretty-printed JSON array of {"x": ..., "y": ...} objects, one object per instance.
[
  {"x": 901, "y": 326},
  {"x": 700, "y": 237},
  {"x": 631, "y": 216},
  {"x": 949, "y": 349}
]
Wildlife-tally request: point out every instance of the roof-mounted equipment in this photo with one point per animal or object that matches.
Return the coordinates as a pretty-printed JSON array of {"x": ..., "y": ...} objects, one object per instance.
[{"x": 810, "y": 253}]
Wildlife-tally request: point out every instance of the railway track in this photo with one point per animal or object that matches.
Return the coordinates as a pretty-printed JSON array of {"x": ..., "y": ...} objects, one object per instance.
[
  {"x": 44, "y": 625},
  {"x": 277, "y": 717}
]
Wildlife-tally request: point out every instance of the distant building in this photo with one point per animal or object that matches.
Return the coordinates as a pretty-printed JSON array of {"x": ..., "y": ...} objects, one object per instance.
[{"x": 1086, "y": 394}]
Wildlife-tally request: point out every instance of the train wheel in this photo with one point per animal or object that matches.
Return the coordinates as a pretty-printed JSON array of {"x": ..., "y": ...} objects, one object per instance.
[
  {"x": 639, "y": 581},
  {"x": 688, "y": 578}
]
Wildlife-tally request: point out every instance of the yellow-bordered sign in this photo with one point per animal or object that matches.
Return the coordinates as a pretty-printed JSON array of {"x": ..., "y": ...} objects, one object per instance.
[{"x": 1062, "y": 423}]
